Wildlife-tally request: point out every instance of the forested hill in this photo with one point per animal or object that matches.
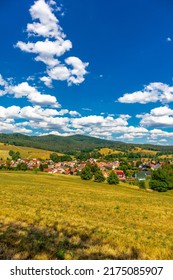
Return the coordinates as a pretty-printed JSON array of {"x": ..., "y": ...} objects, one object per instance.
[{"x": 69, "y": 144}]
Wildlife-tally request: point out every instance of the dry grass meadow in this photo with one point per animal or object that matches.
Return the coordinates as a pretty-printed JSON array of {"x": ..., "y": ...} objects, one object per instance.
[
  {"x": 25, "y": 152},
  {"x": 62, "y": 217}
]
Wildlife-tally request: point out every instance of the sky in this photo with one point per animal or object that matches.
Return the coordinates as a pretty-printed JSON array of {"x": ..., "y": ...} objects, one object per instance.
[{"x": 102, "y": 69}]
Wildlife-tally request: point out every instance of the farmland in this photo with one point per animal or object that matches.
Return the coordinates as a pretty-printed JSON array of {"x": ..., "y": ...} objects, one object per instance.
[{"x": 61, "y": 217}]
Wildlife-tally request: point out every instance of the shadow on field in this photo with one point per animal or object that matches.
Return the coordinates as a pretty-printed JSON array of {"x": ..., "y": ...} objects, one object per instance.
[{"x": 32, "y": 242}]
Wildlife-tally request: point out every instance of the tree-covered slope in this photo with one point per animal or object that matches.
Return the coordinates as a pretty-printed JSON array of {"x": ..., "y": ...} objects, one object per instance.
[{"x": 69, "y": 144}]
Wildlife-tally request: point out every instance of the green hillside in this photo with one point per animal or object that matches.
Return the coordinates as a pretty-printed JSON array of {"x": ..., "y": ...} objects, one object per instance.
[
  {"x": 57, "y": 143},
  {"x": 73, "y": 143}
]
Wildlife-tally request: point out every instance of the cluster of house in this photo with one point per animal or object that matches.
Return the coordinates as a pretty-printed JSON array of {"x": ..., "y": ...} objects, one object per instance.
[
  {"x": 67, "y": 168},
  {"x": 31, "y": 163},
  {"x": 74, "y": 167},
  {"x": 152, "y": 164}
]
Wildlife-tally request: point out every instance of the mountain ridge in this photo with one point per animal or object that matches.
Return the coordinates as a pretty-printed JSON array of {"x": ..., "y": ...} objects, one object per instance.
[{"x": 72, "y": 143}]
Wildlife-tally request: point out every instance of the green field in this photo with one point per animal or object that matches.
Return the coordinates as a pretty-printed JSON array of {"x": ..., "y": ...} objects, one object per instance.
[{"x": 62, "y": 217}]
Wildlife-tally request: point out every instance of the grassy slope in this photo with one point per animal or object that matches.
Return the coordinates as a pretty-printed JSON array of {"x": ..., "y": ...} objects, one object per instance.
[
  {"x": 25, "y": 152},
  {"x": 60, "y": 217},
  {"x": 107, "y": 151}
]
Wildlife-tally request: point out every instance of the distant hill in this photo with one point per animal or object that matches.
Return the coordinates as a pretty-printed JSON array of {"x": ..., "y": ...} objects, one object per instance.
[{"x": 70, "y": 144}]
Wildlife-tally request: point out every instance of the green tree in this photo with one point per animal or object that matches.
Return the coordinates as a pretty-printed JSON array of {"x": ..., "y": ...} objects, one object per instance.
[
  {"x": 95, "y": 154},
  {"x": 94, "y": 168},
  {"x": 83, "y": 156},
  {"x": 65, "y": 158},
  {"x": 168, "y": 168},
  {"x": 41, "y": 168},
  {"x": 113, "y": 178},
  {"x": 98, "y": 176},
  {"x": 11, "y": 153},
  {"x": 159, "y": 186},
  {"x": 55, "y": 157},
  {"x": 15, "y": 156},
  {"x": 86, "y": 173},
  {"x": 159, "y": 181},
  {"x": 22, "y": 166}
]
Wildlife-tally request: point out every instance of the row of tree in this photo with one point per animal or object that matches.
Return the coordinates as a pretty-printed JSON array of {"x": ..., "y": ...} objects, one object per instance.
[{"x": 93, "y": 171}]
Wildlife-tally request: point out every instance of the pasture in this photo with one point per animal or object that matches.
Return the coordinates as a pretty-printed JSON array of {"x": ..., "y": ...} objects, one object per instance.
[{"x": 62, "y": 217}]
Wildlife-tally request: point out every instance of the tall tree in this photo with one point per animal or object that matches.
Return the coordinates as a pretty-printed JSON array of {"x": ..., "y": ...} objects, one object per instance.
[
  {"x": 86, "y": 173},
  {"x": 98, "y": 176},
  {"x": 113, "y": 178}
]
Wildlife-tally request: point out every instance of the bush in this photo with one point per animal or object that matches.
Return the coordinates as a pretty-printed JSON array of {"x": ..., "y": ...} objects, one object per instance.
[
  {"x": 113, "y": 178},
  {"x": 142, "y": 184},
  {"x": 159, "y": 186}
]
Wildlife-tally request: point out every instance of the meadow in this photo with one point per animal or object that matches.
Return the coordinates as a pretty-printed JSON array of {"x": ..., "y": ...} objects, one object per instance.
[
  {"x": 62, "y": 217},
  {"x": 25, "y": 152}
]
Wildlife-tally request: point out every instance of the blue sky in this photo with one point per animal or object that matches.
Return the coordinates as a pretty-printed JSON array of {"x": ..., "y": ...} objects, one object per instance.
[{"x": 88, "y": 67}]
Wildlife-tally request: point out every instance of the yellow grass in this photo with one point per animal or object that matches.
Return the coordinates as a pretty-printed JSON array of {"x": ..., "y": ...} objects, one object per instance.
[
  {"x": 107, "y": 151},
  {"x": 25, "y": 152},
  {"x": 166, "y": 156},
  {"x": 143, "y": 151},
  {"x": 62, "y": 217}
]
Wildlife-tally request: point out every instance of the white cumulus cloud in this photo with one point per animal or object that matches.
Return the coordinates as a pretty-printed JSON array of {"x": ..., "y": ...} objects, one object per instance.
[
  {"x": 158, "y": 117},
  {"x": 154, "y": 92},
  {"x": 52, "y": 46},
  {"x": 30, "y": 92}
]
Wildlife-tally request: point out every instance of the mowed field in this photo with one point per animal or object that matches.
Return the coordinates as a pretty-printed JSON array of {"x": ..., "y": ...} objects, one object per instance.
[
  {"x": 62, "y": 217},
  {"x": 25, "y": 152}
]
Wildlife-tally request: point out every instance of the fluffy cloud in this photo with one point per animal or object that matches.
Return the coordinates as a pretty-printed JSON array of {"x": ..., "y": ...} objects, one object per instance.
[
  {"x": 152, "y": 93},
  {"x": 33, "y": 95},
  {"x": 48, "y": 24},
  {"x": 6, "y": 127},
  {"x": 98, "y": 122},
  {"x": 74, "y": 114},
  {"x": 46, "y": 50},
  {"x": 52, "y": 121},
  {"x": 47, "y": 81},
  {"x": 9, "y": 113},
  {"x": 60, "y": 73},
  {"x": 158, "y": 117},
  {"x": 49, "y": 120},
  {"x": 30, "y": 92},
  {"x": 52, "y": 47},
  {"x": 78, "y": 70},
  {"x": 30, "y": 113},
  {"x": 162, "y": 111},
  {"x": 74, "y": 75},
  {"x": 157, "y": 133},
  {"x": 3, "y": 83}
]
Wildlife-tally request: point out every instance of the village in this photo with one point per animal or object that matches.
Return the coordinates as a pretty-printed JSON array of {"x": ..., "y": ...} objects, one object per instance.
[{"x": 135, "y": 170}]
